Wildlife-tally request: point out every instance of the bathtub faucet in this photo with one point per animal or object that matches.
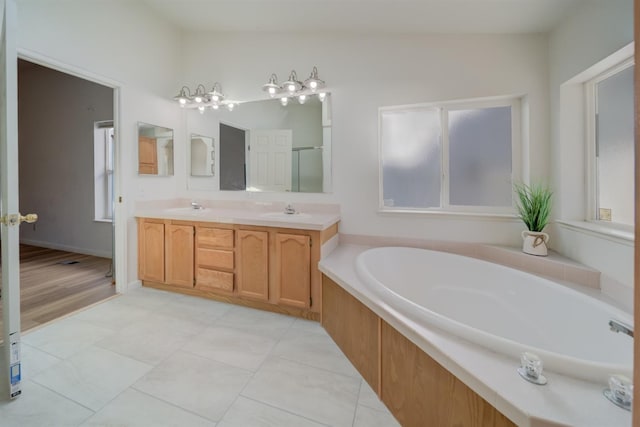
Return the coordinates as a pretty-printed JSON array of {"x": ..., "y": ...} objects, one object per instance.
[{"x": 618, "y": 326}]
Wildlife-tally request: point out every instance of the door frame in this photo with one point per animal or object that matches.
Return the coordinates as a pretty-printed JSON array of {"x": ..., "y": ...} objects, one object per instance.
[
  {"x": 119, "y": 207},
  {"x": 636, "y": 244}
]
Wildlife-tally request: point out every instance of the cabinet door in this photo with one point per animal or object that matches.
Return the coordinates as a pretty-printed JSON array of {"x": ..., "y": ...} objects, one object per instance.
[
  {"x": 293, "y": 276},
  {"x": 151, "y": 251},
  {"x": 253, "y": 264},
  {"x": 179, "y": 255}
]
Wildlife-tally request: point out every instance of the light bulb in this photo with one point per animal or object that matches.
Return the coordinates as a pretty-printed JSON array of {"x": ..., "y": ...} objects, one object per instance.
[
  {"x": 302, "y": 99},
  {"x": 291, "y": 88},
  {"x": 201, "y": 109},
  {"x": 313, "y": 85},
  {"x": 182, "y": 101},
  {"x": 215, "y": 98},
  {"x": 284, "y": 101},
  {"x": 230, "y": 106},
  {"x": 322, "y": 96},
  {"x": 272, "y": 91},
  {"x": 216, "y": 106},
  {"x": 198, "y": 99}
]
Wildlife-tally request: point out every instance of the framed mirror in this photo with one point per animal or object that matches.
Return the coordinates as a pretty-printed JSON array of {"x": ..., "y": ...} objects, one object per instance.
[
  {"x": 203, "y": 156},
  {"x": 155, "y": 150},
  {"x": 266, "y": 146}
]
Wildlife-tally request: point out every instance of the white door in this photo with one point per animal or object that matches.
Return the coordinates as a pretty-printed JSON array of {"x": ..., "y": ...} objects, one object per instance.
[
  {"x": 270, "y": 159},
  {"x": 10, "y": 356}
]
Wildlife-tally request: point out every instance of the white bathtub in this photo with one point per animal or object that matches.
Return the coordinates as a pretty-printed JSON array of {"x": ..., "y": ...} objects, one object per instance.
[{"x": 502, "y": 309}]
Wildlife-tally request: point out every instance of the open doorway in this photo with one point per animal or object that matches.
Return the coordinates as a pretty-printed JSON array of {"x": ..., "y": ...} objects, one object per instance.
[{"x": 65, "y": 144}]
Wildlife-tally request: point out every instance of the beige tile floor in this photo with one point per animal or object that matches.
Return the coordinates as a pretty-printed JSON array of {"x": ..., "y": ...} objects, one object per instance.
[{"x": 153, "y": 358}]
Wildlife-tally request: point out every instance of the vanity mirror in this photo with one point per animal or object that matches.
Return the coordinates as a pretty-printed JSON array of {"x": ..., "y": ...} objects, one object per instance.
[
  {"x": 265, "y": 146},
  {"x": 203, "y": 156},
  {"x": 155, "y": 150}
]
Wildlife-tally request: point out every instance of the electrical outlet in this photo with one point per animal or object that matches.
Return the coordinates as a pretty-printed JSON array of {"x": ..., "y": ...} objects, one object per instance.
[{"x": 604, "y": 214}]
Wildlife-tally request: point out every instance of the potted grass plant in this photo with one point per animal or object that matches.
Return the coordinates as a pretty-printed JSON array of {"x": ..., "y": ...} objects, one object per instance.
[{"x": 534, "y": 208}]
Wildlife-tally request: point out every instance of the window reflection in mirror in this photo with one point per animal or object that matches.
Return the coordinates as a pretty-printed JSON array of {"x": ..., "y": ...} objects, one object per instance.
[
  {"x": 155, "y": 150},
  {"x": 203, "y": 156},
  {"x": 265, "y": 146}
]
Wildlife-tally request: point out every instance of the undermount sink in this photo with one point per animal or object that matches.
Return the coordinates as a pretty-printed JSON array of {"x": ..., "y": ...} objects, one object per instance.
[{"x": 282, "y": 215}]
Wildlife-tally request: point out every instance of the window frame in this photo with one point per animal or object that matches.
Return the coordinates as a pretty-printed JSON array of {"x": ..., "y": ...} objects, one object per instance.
[
  {"x": 103, "y": 160},
  {"x": 591, "y": 170},
  {"x": 515, "y": 102}
]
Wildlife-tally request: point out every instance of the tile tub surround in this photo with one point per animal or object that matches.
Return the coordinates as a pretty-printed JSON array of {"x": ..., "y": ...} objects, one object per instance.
[
  {"x": 221, "y": 365},
  {"x": 564, "y": 401},
  {"x": 317, "y": 216}
]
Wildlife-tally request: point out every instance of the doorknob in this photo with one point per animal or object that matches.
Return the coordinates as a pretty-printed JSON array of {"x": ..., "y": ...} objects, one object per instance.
[
  {"x": 29, "y": 218},
  {"x": 16, "y": 219}
]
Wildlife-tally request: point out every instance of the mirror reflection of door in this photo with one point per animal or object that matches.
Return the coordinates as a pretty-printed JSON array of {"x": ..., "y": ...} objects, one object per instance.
[
  {"x": 232, "y": 158},
  {"x": 148, "y": 156},
  {"x": 270, "y": 160}
]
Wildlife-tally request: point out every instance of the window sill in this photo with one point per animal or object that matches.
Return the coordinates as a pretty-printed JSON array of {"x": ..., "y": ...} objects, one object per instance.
[
  {"x": 109, "y": 220},
  {"x": 610, "y": 232},
  {"x": 452, "y": 214}
]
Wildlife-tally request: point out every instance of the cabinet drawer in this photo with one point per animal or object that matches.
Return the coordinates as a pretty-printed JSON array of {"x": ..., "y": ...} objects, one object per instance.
[
  {"x": 214, "y": 280},
  {"x": 217, "y": 237},
  {"x": 215, "y": 258}
]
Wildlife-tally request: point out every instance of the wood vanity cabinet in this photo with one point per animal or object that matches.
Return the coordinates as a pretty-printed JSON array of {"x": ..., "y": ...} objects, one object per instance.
[
  {"x": 263, "y": 267},
  {"x": 253, "y": 264},
  {"x": 151, "y": 250},
  {"x": 179, "y": 255},
  {"x": 215, "y": 259},
  {"x": 293, "y": 269}
]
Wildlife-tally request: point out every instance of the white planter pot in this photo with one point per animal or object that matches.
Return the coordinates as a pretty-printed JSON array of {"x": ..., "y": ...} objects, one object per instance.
[{"x": 534, "y": 243}]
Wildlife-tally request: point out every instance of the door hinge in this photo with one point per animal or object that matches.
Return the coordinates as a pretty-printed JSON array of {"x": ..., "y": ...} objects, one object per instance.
[
  {"x": 310, "y": 301},
  {"x": 310, "y": 242}
]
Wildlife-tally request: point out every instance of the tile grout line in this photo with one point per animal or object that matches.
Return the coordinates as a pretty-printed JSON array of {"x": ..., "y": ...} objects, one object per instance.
[
  {"x": 66, "y": 398},
  {"x": 355, "y": 409},
  {"x": 286, "y": 411},
  {"x": 159, "y": 399}
]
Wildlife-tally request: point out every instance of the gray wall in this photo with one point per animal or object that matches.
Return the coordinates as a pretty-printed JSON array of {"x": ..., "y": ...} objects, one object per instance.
[{"x": 56, "y": 114}]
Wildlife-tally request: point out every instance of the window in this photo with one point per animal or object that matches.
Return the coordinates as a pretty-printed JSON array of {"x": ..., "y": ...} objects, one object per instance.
[
  {"x": 103, "y": 170},
  {"x": 450, "y": 157},
  {"x": 610, "y": 145}
]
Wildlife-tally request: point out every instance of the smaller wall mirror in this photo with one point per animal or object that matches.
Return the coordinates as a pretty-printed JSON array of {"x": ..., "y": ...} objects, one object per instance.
[
  {"x": 203, "y": 156},
  {"x": 155, "y": 150}
]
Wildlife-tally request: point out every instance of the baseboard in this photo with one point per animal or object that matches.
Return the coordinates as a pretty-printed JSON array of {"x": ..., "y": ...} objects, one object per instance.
[{"x": 67, "y": 248}]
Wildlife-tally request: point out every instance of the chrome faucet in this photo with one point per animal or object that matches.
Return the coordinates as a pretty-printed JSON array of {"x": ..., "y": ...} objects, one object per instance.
[
  {"x": 196, "y": 205},
  {"x": 618, "y": 326},
  {"x": 289, "y": 210}
]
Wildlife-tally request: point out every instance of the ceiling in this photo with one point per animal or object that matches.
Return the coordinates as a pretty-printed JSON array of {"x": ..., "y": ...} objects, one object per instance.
[{"x": 381, "y": 16}]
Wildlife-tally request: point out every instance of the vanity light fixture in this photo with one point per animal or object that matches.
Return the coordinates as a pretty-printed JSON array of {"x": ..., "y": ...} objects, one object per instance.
[
  {"x": 295, "y": 88},
  {"x": 313, "y": 82},
  {"x": 203, "y": 99},
  {"x": 184, "y": 97},
  {"x": 272, "y": 86}
]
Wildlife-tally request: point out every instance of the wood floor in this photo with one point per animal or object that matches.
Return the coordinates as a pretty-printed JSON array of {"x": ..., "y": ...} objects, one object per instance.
[{"x": 50, "y": 289}]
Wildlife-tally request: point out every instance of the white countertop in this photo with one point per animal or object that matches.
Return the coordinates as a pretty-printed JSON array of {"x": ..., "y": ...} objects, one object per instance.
[
  {"x": 563, "y": 401},
  {"x": 307, "y": 216}
]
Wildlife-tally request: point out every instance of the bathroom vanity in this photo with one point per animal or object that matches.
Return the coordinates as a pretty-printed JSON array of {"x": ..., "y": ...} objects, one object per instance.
[{"x": 261, "y": 258}]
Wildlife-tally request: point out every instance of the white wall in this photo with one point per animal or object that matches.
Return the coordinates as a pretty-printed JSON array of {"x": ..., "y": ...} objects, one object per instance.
[
  {"x": 56, "y": 115},
  {"x": 121, "y": 43},
  {"x": 387, "y": 70},
  {"x": 594, "y": 32}
]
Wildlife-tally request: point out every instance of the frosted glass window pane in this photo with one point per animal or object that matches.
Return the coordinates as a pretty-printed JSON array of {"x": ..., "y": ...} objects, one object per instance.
[
  {"x": 615, "y": 148},
  {"x": 411, "y": 153},
  {"x": 480, "y": 157}
]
